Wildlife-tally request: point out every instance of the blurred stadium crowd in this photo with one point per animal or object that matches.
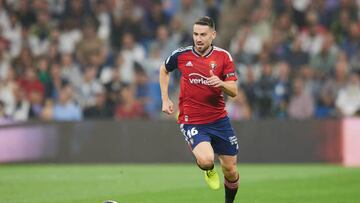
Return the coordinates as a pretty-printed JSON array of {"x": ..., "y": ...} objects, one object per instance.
[{"x": 91, "y": 59}]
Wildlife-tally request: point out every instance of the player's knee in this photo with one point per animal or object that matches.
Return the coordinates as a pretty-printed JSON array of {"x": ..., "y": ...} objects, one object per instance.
[
  {"x": 205, "y": 162},
  {"x": 230, "y": 171}
]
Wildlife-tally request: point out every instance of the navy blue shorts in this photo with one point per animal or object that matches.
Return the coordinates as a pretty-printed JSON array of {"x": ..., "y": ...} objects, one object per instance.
[{"x": 220, "y": 134}]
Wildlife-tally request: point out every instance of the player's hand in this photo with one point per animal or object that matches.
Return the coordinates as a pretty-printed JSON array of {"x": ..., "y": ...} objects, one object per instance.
[
  {"x": 168, "y": 107},
  {"x": 214, "y": 80}
]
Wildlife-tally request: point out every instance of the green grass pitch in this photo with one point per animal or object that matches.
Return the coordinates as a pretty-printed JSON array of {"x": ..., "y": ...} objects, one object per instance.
[{"x": 175, "y": 183}]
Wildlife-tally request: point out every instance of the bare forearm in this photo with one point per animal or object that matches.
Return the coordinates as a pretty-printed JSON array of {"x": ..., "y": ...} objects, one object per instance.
[
  {"x": 164, "y": 78},
  {"x": 229, "y": 88}
]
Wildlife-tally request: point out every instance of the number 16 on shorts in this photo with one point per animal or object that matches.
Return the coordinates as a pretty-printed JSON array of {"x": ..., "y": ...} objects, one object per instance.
[{"x": 189, "y": 134}]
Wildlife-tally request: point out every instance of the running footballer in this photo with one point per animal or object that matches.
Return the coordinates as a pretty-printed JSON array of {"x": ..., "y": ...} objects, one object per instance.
[{"x": 207, "y": 72}]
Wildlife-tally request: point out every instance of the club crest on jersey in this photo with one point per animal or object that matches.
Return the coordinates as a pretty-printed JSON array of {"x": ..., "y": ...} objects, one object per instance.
[{"x": 213, "y": 65}]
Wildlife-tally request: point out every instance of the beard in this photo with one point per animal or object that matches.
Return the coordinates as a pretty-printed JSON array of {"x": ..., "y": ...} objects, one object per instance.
[{"x": 201, "y": 48}]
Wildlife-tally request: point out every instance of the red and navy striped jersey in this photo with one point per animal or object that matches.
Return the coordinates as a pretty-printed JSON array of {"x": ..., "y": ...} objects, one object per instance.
[{"x": 200, "y": 103}]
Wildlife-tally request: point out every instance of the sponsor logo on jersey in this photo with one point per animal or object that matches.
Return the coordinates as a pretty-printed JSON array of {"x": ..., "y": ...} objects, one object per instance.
[{"x": 198, "y": 79}]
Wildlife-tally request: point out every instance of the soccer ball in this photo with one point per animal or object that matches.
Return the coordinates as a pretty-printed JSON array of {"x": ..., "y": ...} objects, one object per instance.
[{"x": 109, "y": 201}]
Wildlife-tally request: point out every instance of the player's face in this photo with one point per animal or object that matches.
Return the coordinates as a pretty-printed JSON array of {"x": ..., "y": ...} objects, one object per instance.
[{"x": 203, "y": 36}]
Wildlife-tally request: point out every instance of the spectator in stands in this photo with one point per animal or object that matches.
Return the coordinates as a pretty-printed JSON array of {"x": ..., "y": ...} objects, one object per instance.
[
  {"x": 238, "y": 107},
  {"x": 128, "y": 107},
  {"x": 277, "y": 45},
  {"x": 245, "y": 45},
  {"x": 8, "y": 86},
  {"x": 77, "y": 11},
  {"x": 152, "y": 63},
  {"x": 355, "y": 62},
  {"x": 39, "y": 39},
  {"x": 351, "y": 43},
  {"x": 70, "y": 71},
  {"x": 26, "y": 14},
  {"x": 4, "y": 61},
  {"x": 281, "y": 91},
  {"x": 312, "y": 37},
  {"x": 90, "y": 85},
  {"x": 296, "y": 56},
  {"x": 70, "y": 35},
  {"x": 131, "y": 52},
  {"x": 154, "y": 18},
  {"x": 261, "y": 24},
  {"x": 42, "y": 66},
  {"x": 348, "y": 99},
  {"x": 22, "y": 106},
  {"x": 142, "y": 90},
  {"x": 30, "y": 82},
  {"x": 126, "y": 19},
  {"x": 36, "y": 105},
  {"x": 90, "y": 43},
  {"x": 52, "y": 88},
  {"x": 212, "y": 9},
  {"x": 312, "y": 82},
  {"x": 340, "y": 26},
  {"x": 113, "y": 88},
  {"x": 324, "y": 61},
  {"x": 47, "y": 111},
  {"x": 324, "y": 11},
  {"x": 336, "y": 81},
  {"x": 100, "y": 110},
  {"x": 53, "y": 53},
  {"x": 325, "y": 107},
  {"x": 285, "y": 25},
  {"x": 263, "y": 92},
  {"x": 103, "y": 16},
  {"x": 151, "y": 67},
  {"x": 4, "y": 18},
  {"x": 248, "y": 86},
  {"x": 178, "y": 33},
  {"x": 301, "y": 104},
  {"x": 3, "y": 116},
  {"x": 65, "y": 109},
  {"x": 25, "y": 59},
  {"x": 13, "y": 34},
  {"x": 163, "y": 42},
  {"x": 189, "y": 11}
]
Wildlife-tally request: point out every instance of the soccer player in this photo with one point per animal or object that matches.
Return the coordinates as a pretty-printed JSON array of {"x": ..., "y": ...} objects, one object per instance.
[{"x": 206, "y": 73}]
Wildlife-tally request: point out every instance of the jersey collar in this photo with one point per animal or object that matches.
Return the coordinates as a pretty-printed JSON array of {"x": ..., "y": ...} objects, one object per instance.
[{"x": 206, "y": 55}]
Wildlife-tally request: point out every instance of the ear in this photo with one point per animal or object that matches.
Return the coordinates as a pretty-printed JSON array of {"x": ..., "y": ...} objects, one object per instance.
[{"x": 214, "y": 35}]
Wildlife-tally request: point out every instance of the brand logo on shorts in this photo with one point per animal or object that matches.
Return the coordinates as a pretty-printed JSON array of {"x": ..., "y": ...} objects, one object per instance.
[
  {"x": 233, "y": 141},
  {"x": 198, "y": 79}
]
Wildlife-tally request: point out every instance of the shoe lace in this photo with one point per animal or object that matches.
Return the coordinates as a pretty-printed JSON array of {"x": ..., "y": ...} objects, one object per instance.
[{"x": 210, "y": 173}]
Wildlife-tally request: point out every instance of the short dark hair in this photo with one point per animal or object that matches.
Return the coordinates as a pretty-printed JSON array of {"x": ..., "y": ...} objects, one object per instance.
[{"x": 206, "y": 20}]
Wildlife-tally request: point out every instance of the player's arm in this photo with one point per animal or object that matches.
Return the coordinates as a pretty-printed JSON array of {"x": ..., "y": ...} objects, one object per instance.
[
  {"x": 164, "y": 78},
  {"x": 228, "y": 87}
]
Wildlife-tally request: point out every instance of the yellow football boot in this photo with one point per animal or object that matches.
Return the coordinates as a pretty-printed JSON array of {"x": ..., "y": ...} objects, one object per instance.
[{"x": 212, "y": 179}]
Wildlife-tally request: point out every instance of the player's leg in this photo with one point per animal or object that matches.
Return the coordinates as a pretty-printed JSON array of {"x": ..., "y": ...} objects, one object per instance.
[
  {"x": 199, "y": 142},
  {"x": 204, "y": 155},
  {"x": 231, "y": 176},
  {"x": 225, "y": 144}
]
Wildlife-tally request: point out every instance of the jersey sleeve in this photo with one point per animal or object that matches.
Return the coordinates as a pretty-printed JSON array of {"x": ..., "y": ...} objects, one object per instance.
[
  {"x": 171, "y": 63},
  {"x": 229, "y": 73}
]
